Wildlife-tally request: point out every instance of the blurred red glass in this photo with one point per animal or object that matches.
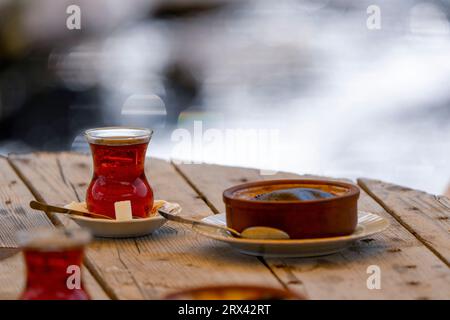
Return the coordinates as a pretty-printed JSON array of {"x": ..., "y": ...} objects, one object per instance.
[{"x": 53, "y": 259}]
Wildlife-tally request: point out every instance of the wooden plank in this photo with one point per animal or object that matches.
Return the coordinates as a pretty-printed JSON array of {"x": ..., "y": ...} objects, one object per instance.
[
  {"x": 408, "y": 269},
  {"x": 12, "y": 277},
  {"x": 427, "y": 216},
  {"x": 14, "y": 212},
  {"x": 148, "y": 267},
  {"x": 16, "y": 215}
]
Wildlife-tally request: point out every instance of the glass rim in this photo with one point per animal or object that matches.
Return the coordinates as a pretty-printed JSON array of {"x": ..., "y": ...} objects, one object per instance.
[
  {"x": 118, "y": 135},
  {"x": 53, "y": 238}
]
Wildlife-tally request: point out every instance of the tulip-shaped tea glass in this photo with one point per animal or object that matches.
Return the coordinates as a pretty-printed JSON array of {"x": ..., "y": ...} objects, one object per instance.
[
  {"x": 53, "y": 259},
  {"x": 119, "y": 156}
]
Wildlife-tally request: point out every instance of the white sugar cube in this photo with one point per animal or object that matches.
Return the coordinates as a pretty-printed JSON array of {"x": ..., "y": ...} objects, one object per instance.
[{"x": 123, "y": 210}]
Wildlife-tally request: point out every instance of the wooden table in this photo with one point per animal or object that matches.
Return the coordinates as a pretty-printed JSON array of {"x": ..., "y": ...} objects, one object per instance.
[{"x": 413, "y": 253}]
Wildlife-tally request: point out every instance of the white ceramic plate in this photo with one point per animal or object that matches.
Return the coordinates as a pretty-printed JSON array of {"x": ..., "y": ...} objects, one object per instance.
[
  {"x": 368, "y": 224},
  {"x": 124, "y": 229}
]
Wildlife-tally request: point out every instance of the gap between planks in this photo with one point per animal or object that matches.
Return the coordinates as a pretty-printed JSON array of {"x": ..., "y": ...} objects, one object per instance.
[
  {"x": 171, "y": 248},
  {"x": 194, "y": 187},
  {"x": 216, "y": 211},
  {"x": 411, "y": 270},
  {"x": 364, "y": 184},
  {"x": 92, "y": 274}
]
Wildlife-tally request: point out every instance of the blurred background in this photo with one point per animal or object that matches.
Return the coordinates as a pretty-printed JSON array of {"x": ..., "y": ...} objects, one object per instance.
[{"x": 310, "y": 86}]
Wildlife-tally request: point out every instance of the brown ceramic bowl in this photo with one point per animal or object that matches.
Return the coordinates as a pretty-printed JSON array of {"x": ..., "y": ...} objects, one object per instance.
[
  {"x": 234, "y": 292},
  {"x": 301, "y": 219}
]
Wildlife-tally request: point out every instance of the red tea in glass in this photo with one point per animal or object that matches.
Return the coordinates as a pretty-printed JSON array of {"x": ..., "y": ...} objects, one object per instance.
[
  {"x": 119, "y": 155},
  {"x": 53, "y": 259}
]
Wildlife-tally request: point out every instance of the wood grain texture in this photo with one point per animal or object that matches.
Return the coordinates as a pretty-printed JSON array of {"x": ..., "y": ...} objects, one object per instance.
[
  {"x": 12, "y": 277},
  {"x": 14, "y": 212},
  {"x": 16, "y": 215},
  {"x": 425, "y": 215},
  {"x": 148, "y": 267},
  {"x": 409, "y": 270}
]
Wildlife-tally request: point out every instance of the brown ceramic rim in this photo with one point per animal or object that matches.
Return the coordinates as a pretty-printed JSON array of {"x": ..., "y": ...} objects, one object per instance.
[
  {"x": 352, "y": 190},
  {"x": 284, "y": 293}
]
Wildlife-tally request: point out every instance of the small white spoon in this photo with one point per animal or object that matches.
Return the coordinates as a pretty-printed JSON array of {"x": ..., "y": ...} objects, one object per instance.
[{"x": 249, "y": 233}]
